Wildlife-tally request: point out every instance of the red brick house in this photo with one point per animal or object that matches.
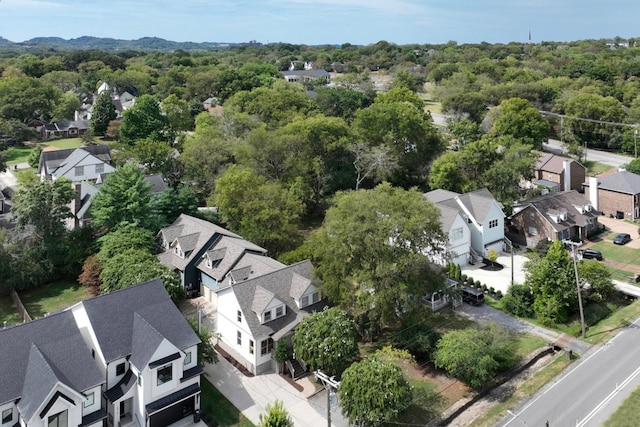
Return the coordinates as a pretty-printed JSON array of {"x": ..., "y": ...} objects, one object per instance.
[
  {"x": 557, "y": 173},
  {"x": 615, "y": 195},
  {"x": 555, "y": 216}
]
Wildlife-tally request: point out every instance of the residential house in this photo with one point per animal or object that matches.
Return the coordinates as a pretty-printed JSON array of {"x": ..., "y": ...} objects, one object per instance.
[
  {"x": 483, "y": 215},
  {"x": 128, "y": 358},
  {"x": 231, "y": 258},
  {"x": 64, "y": 129},
  {"x": 184, "y": 243},
  {"x": 557, "y": 173},
  {"x": 86, "y": 163},
  {"x": 616, "y": 195},
  {"x": 554, "y": 216},
  {"x": 79, "y": 208},
  {"x": 455, "y": 227},
  {"x": 299, "y": 76},
  {"x": 255, "y": 313}
]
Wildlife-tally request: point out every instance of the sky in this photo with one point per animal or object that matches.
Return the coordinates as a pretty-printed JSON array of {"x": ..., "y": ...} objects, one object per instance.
[{"x": 316, "y": 22}]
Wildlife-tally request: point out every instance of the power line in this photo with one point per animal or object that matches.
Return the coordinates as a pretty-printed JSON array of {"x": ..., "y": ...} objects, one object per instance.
[{"x": 583, "y": 119}]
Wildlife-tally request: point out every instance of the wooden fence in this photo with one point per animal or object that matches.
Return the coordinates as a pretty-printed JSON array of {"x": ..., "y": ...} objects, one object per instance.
[{"x": 22, "y": 311}]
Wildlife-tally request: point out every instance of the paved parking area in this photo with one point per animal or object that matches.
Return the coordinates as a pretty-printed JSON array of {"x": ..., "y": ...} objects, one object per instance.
[
  {"x": 499, "y": 279},
  {"x": 621, "y": 226}
]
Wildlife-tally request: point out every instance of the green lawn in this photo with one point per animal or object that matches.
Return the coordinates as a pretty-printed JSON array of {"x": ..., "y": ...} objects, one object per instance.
[
  {"x": 216, "y": 407},
  {"x": 18, "y": 154},
  {"x": 21, "y": 154},
  {"x": 53, "y": 297},
  {"x": 8, "y": 312},
  {"x": 617, "y": 253},
  {"x": 627, "y": 414},
  {"x": 595, "y": 168}
]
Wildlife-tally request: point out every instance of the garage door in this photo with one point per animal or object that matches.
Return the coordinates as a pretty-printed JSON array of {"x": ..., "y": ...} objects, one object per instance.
[{"x": 173, "y": 413}]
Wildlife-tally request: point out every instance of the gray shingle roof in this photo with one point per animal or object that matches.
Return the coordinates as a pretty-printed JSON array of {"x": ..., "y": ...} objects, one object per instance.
[
  {"x": 230, "y": 251},
  {"x": 261, "y": 299},
  {"x": 113, "y": 318},
  {"x": 477, "y": 203},
  {"x": 62, "y": 353},
  {"x": 51, "y": 159},
  {"x": 186, "y": 225},
  {"x": 157, "y": 183},
  {"x": 549, "y": 205},
  {"x": 621, "y": 182},
  {"x": 144, "y": 341},
  {"x": 279, "y": 284},
  {"x": 440, "y": 195}
]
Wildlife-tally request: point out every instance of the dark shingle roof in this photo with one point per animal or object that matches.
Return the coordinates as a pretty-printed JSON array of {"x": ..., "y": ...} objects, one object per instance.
[
  {"x": 551, "y": 205},
  {"x": 277, "y": 284},
  {"x": 51, "y": 159},
  {"x": 51, "y": 347},
  {"x": 113, "y": 318}
]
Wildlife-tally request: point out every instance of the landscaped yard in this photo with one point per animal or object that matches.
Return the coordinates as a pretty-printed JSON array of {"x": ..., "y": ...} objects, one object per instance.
[
  {"x": 53, "y": 297},
  {"x": 619, "y": 253},
  {"x": 20, "y": 154},
  {"x": 216, "y": 407}
]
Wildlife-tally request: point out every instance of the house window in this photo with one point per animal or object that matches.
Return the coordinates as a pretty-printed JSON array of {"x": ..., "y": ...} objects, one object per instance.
[
  {"x": 165, "y": 374},
  {"x": 493, "y": 223},
  {"x": 304, "y": 301},
  {"x": 266, "y": 346},
  {"x": 187, "y": 358},
  {"x": 251, "y": 347},
  {"x": 532, "y": 215},
  {"x": 239, "y": 316},
  {"x": 315, "y": 297},
  {"x": 533, "y": 231},
  {"x": 100, "y": 168},
  {"x": 59, "y": 420},
  {"x": 239, "y": 338},
  {"x": 7, "y": 416},
  {"x": 79, "y": 170},
  {"x": 267, "y": 316},
  {"x": 457, "y": 234},
  {"x": 93, "y": 353},
  {"x": 120, "y": 369},
  {"x": 280, "y": 311},
  {"x": 89, "y": 400}
]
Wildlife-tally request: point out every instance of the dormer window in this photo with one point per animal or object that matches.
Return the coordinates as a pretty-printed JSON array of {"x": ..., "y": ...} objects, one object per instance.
[
  {"x": 304, "y": 301},
  {"x": 79, "y": 170},
  {"x": 178, "y": 251},
  {"x": 279, "y": 311},
  {"x": 267, "y": 316}
]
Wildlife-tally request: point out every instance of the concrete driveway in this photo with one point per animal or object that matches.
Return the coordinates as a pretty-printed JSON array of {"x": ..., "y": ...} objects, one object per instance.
[
  {"x": 499, "y": 279},
  {"x": 620, "y": 226}
]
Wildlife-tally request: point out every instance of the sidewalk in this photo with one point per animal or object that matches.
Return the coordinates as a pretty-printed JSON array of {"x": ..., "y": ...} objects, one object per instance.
[{"x": 252, "y": 394}]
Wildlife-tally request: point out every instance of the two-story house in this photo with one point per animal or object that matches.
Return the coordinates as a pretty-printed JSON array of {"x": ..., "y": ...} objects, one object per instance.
[
  {"x": 255, "y": 313},
  {"x": 555, "y": 216},
  {"x": 80, "y": 164},
  {"x": 617, "y": 195},
  {"x": 483, "y": 215},
  {"x": 455, "y": 227},
  {"x": 558, "y": 173},
  {"x": 185, "y": 242},
  {"x": 128, "y": 358}
]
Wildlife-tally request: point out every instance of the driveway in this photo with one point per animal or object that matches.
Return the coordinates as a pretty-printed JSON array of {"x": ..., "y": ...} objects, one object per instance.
[
  {"x": 621, "y": 226},
  {"x": 499, "y": 279}
]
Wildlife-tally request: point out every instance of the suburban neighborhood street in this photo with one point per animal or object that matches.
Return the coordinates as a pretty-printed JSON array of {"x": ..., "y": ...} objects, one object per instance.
[{"x": 590, "y": 391}]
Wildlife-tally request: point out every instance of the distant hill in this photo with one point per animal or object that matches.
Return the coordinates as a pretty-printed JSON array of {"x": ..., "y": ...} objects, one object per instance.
[{"x": 103, "y": 43}]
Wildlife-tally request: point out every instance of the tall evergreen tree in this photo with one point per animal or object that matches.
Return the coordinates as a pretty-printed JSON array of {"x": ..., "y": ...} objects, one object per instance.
[{"x": 103, "y": 112}]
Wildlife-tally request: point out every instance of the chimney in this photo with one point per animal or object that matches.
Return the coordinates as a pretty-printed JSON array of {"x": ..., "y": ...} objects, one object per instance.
[
  {"x": 593, "y": 192},
  {"x": 566, "y": 166}
]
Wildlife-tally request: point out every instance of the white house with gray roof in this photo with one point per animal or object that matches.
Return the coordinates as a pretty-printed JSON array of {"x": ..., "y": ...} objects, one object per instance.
[
  {"x": 128, "y": 358},
  {"x": 255, "y": 313},
  {"x": 77, "y": 165},
  {"x": 481, "y": 212}
]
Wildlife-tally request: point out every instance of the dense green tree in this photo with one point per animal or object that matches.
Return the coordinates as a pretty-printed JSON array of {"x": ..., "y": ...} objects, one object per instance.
[
  {"x": 26, "y": 98},
  {"x": 13, "y": 129},
  {"x": 326, "y": 340},
  {"x": 171, "y": 203},
  {"x": 370, "y": 252},
  {"x": 447, "y": 173},
  {"x": 90, "y": 276},
  {"x": 64, "y": 80},
  {"x": 262, "y": 211},
  {"x": 519, "y": 300},
  {"x": 178, "y": 116},
  {"x": 124, "y": 239},
  {"x": 342, "y": 102},
  {"x": 476, "y": 355},
  {"x": 66, "y": 107},
  {"x": 597, "y": 109},
  {"x": 598, "y": 276},
  {"x": 276, "y": 416},
  {"x": 44, "y": 206},
  {"x": 373, "y": 391},
  {"x": 154, "y": 155},
  {"x": 143, "y": 120},
  {"x": 124, "y": 199},
  {"x": 553, "y": 283},
  {"x": 103, "y": 113},
  {"x": 633, "y": 166},
  {"x": 517, "y": 118},
  {"x": 134, "y": 266},
  {"x": 415, "y": 335}
]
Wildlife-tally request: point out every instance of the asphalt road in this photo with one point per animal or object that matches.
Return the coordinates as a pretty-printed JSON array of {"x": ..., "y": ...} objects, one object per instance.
[
  {"x": 591, "y": 391},
  {"x": 615, "y": 160}
]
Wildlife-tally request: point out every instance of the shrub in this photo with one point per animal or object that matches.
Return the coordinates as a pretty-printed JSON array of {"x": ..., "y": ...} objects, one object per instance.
[
  {"x": 484, "y": 288},
  {"x": 492, "y": 290},
  {"x": 463, "y": 277},
  {"x": 493, "y": 255},
  {"x": 499, "y": 294},
  {"x": 478, "y": 284}
]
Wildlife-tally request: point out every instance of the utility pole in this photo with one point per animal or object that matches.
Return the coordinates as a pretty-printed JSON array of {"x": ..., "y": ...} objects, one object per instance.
[
  {"x": 635, "y": 143},
  {"x": 575, "y": 268},
  {"x": 511, "y": 246},
  {"x": 331, "y": 385}
]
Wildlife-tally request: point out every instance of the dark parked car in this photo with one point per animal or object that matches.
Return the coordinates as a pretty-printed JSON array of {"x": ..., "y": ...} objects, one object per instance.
[
  {"x": 472, "y": 296},
  {"x": 622, "y": 239},
  {"x": 592, "y": 254}
]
